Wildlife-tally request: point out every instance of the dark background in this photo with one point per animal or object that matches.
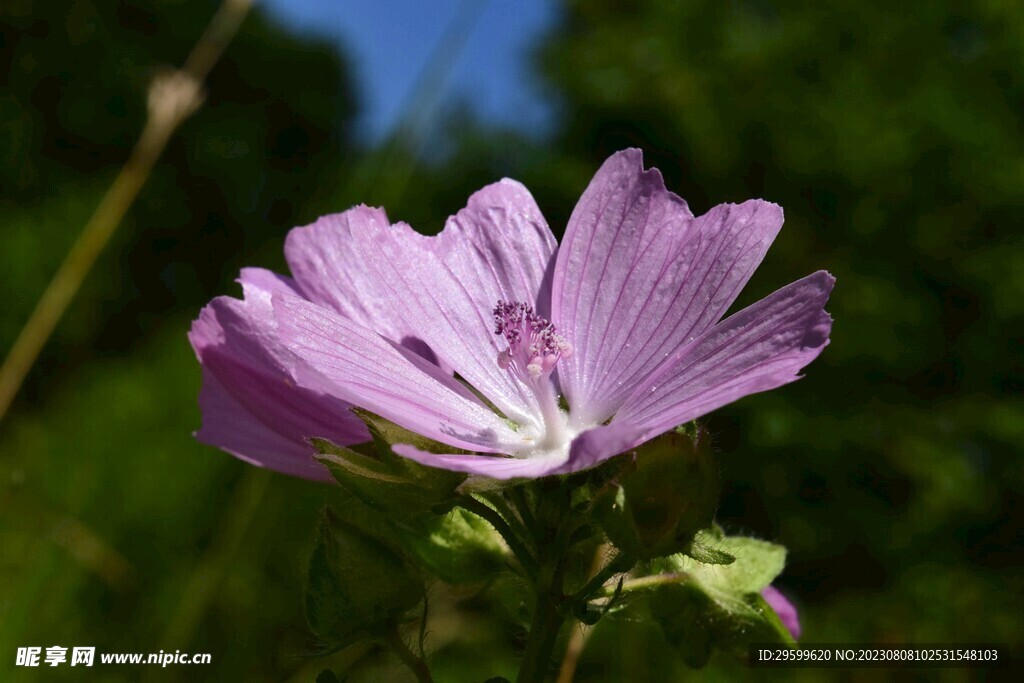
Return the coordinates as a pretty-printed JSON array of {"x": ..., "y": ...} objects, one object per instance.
[{"x": 892, "y": 137}]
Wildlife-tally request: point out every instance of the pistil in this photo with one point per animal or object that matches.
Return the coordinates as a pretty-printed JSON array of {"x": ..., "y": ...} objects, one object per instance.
[{"x": 534, "y": 348}]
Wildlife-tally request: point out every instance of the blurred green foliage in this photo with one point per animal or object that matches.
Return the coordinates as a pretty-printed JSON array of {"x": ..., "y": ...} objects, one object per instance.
[
  {"x": 891, "y": 137},
  {"x": 116, "y": 528},
  {"x": 892, "y": 473}
]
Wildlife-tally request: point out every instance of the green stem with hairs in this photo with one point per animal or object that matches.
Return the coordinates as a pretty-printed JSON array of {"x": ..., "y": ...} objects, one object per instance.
[
  {"x": 408, "y": 657},
  {"x": 494, "y": 518},
  {"x": 555, "y": 526}
]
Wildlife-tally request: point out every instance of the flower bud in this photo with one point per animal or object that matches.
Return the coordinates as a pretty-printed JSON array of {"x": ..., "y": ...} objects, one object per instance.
[{"x": 668, "y": 497}]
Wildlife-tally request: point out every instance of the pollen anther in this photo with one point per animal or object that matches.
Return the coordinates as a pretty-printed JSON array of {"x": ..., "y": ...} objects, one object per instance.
[{"x": 534, "y": 346}]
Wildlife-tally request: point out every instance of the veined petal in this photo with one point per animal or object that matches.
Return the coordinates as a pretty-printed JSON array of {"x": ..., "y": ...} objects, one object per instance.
[
  {"x": 719, "y": 252},
  {"x": 384, "y": 378},
  {"x": 503, "y": 237},
  {"x": 323, "y": 259},
  {"x": 445, "y": 287},
  {"x": 486, "y": 465},
  {"x": 258, "y": 400},
  {"x": 587, "y": 450},
  {"x": 762, "y": 347},
  {"x": 615, "y": 246},
  {"x": 269, "y": 281},
  {"x": 638, "y": 276},
  {"x": 232, "y": 427}
]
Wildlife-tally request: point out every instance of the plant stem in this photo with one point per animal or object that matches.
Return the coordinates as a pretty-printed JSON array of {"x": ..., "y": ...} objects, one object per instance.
[
  {"x": 646, "y": 582},
  {"x": 172, "y": 98},
  {"x": 547, "y": 622},
  {"x": 573, "y": 651},
  {"x": 417, "y": 665},
  {"x": 517, "y": 495},
  {"x": 617, "y": 565},
  {"x": 495, "y": 519},
  {"x": 555, "y": 524},
  {"x": 510, "y": 513},
  {"x": 578, "y": 638}
]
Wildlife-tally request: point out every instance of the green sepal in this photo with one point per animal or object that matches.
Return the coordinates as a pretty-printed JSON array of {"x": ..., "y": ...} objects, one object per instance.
[
  {"x": 718, "y": 605},
  {"x": 459, "y": 547},
  {"x": 388, "y": 482},
  {"x": 386, "y": 434},
  {"x": 358, "y": 586},
  {"x": 658, "y": 504}
]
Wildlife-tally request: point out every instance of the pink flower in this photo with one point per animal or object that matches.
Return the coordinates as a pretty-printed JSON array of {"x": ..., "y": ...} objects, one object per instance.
[
  {"x": 784, "y": 608},
  {"x": 563, "y": 356}
]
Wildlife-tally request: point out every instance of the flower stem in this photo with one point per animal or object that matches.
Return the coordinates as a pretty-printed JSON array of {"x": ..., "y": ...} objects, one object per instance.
[
  {"x": 645, "y": 582},
  {"x": 573, "y": 651},
  {"x": 578, "y": 638},
  {"x": 547, "y": 622},
  {"x": 517, "y": 495},
  {"x": 617, "y": 565},
  {"x": 408, "y": 657},
  {"x": 555, "y": 526},
  {"x": 506, "y": 507},
  {"x": 172, "y": 98},
  {"x": 494, "y": 518}
]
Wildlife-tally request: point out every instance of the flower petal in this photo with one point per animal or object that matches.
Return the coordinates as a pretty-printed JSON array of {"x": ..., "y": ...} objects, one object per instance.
[
  {"x": 258, "y": 401},
  {"x": 784, "y": 608},
  {"x": 760, "y": 348},
  {"x": 232, "y": 427},
  {"x": 322, "y": 258},
  {"x": 637, "y": 277},
  {"x": 269, "y": 281},
  {"x": 485, "y": 465},
  {"x": 596, "y": 445},
  {"x": 387, "y": 379},
  {"x": 587, "y": 450},
  {"x": 445, "y": 287},
  {"x": 719, "y": 252}
]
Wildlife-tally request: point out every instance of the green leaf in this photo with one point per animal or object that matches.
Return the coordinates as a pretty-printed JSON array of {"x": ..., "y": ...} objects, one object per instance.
[
  {"x": 358, "y": 586},
  {"x": 511, "y": 596},
  {"x": 658, "y": 505},
  {"x": 696, "y": 620},
  {"x": 756, "y": 563},
  {"x": 459, "y": 547},
  {"x": 718, "y": 604}
]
